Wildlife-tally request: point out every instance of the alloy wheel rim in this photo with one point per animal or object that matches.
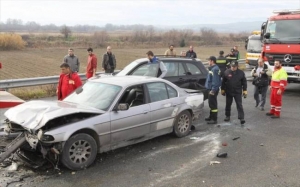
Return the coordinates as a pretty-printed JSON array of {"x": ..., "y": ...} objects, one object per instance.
[
  {"x": 80, "y": 151},
  {"x": 183, "y": 123}
]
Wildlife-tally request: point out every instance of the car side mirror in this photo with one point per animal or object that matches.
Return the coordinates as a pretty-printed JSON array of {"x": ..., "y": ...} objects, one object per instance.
[
  {"x": 267, "y": 35},
  {"x": 79, "y": 90},
  {"x": 122, "y": 107}
]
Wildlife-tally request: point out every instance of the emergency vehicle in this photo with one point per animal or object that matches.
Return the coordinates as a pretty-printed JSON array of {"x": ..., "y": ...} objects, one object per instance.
[
  {"x": 281, "y": 38},
  {"x": 253, "y": 47}
]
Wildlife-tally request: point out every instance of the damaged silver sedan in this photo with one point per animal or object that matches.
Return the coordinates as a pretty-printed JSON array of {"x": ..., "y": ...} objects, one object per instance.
[{"x": 102, "y": 115}]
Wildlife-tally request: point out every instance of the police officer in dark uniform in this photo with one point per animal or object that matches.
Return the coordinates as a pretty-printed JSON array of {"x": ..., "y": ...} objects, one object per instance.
[
  {"x": 221, "y": 62},
  {"x": 212, "y": 84},
  {"x": 232, "y": 56},
  {"x": 234, "y": 85}
]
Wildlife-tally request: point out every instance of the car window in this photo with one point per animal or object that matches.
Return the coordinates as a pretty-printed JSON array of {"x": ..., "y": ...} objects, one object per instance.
[
  {"x": 95, "y": 94},
  {"x": 193, "y": 69},
  {"x": 146, "y": 70},
  {"x": 133, "y": 96},
  {"x": 157, "y": 91},
  {"x": 181, "y": 69},
  {"x": 171, "y": 91},
  {"x": 174, "y": 69}
]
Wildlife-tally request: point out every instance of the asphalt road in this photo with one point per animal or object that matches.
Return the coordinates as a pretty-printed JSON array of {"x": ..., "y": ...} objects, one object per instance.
[{"x": 266, "y": 154}]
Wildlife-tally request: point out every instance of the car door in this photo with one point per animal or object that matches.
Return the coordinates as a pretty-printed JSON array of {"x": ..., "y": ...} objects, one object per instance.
[
  {"x": 176, "y": 74},
  {"x": 163, "y": 107},
  {"x": 132, "y": 125}
]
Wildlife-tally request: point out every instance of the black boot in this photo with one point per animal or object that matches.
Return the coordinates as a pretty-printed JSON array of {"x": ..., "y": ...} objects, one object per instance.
[
  {"x": 214, "y": 117},
  {"x": 209, "y": 118},
  {"x": 242, "y": 121},
  {"x": 227, "y": 118}
]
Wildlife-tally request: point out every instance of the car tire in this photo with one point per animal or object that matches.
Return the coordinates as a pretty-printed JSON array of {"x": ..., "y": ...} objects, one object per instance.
[
  {"x": 79, "y": 152},
  {"x": 183, "y": 124}
]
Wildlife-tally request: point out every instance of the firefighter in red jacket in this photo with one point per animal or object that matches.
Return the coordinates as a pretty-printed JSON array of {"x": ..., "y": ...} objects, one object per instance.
[
  {"x": 68, "y": 82},
  {"x": 277, "y": 86}
]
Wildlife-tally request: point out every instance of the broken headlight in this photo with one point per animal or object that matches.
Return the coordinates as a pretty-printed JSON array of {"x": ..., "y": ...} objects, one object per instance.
[{"x": 44, "y": 137}]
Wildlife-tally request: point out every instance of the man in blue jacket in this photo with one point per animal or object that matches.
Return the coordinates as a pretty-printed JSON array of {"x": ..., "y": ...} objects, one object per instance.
[{"x": 212, "y": 84}]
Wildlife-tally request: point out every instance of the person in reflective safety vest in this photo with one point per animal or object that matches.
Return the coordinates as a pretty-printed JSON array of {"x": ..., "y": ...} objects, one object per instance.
[{"x": 277, "y": 87}]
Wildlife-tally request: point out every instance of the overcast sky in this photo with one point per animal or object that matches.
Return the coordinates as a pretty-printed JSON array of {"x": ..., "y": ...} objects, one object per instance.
[{"x": 149, "y": 12}]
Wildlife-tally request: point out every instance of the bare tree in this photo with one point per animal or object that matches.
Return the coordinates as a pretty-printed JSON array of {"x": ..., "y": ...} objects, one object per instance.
[
  {"x": 150, "y": 33},
  {"x": 209, "y": 36},
  {"x": 66, "y": 31},
  {"x": 100, "y": 38}
]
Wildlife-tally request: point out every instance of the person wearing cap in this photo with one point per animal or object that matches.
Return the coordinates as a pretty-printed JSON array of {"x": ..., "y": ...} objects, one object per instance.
[
  {"x": 154, "y": 60},
  {"x": 234, "y": 85},
  {"x": 212, "y": 84},
  {"x": 230, "y": 57},
  {"x": 221, "y": 62}
]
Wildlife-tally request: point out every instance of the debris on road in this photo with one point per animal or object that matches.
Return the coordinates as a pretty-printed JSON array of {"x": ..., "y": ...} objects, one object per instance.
[
  {"x": 222, "y": 155},
  {"x": 194, "y": 138},
  {"x": 248, "y": 129},
  {"x": 214, "y": 162},
  {"x": 13, "y": 167},
  {"x": 224, "y": 144},
  {"x": 73, "y": 173},
  {"x": 236, "y": 138},
  {"x": 261, "y": 144}
]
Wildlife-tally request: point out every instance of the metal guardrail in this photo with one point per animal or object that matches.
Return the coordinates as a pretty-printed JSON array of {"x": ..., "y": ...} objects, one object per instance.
[{"x": 36, "y": 81}]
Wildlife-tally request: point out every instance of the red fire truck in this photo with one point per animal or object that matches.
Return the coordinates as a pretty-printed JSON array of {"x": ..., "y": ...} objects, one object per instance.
[{"x": 281, "y": 41}]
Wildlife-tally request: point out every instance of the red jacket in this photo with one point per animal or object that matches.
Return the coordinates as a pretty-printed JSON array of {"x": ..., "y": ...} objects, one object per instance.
[
  {"x": 67, "y": 84},
  {"x": 92, "y": 63}
]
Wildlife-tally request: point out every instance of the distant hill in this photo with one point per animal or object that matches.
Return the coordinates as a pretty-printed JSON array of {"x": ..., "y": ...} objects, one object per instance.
[{"x": 228, "y": 27}]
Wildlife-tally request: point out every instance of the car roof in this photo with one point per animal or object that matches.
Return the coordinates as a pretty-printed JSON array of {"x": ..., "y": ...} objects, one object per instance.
[
  {"x": 126, "y": 80},
  {"x": 165, "y": 58}
]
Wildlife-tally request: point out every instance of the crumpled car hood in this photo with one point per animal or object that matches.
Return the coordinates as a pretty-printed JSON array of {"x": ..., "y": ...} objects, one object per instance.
[{"x": 35, "y": 114}]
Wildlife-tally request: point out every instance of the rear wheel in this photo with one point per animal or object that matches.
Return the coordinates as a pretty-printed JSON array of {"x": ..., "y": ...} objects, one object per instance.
[
  {"x": 79, "y": 152},
  {"x": 183, "y": 124}
]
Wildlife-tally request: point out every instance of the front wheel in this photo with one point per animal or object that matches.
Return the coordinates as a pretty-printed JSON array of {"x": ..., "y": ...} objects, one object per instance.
[
  {"x": 183, "y": 124},
  {"x": 79, "y": 152}
]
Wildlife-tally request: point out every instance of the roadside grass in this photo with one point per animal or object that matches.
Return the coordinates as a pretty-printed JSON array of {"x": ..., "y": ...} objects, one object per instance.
[{"x": 34, "y": 92}]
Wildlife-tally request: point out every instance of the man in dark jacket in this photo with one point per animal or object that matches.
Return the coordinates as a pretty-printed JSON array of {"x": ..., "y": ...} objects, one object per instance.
[
  {"x": 261, "y": 82},
  {"x": 109, "y": 61},
  {"x": 231, "y": 57},
  {"x": 234, "y": 85},
  {"x": 191, "y": 53},
  {"x": 221, "y": 62},
  {"x": 212, "y": 84}
]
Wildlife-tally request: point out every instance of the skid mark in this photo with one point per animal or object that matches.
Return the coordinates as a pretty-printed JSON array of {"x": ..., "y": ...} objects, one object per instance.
[
  {"x": 200, "y": 161},
  {"x": 180, "y": 146}
]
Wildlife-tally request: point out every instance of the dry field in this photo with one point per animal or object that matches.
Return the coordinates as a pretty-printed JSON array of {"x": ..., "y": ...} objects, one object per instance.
[{"x": 45, "y": 62}]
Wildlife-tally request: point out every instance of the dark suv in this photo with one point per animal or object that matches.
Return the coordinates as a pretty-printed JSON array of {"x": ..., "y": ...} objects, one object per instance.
[{"x": 184, "y": 72}]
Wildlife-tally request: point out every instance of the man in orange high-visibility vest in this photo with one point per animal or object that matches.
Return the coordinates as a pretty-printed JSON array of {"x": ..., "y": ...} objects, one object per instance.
[{"x": 277, "y": 86}]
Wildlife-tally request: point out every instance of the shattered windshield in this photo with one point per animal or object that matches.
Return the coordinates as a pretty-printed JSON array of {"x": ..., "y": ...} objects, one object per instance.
[
  {"x": 254, "y": 46},
  {"x": 284, "y": 30},
  {"x": 95, "y": 94}
]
